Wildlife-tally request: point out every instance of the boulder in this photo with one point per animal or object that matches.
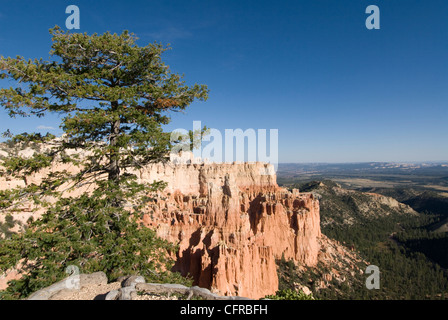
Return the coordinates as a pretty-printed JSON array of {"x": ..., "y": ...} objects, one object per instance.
[
  {"x": 112, "y": 295},
  {"x": 126, "y": 293},
  {"x": 131, "y": 281}
]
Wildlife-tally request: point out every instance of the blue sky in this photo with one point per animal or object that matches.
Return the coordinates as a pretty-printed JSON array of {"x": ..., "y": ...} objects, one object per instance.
[{"x": 336, "y": 91}]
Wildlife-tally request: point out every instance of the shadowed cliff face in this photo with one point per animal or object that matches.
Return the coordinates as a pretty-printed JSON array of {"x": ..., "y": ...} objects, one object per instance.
[{"x": 231, "y": 223}]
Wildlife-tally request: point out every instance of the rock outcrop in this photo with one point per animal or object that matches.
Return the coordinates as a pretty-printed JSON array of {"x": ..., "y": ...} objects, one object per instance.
[
  {"x": 232, "y": 221},
  {"x": 95, "y": 287}
]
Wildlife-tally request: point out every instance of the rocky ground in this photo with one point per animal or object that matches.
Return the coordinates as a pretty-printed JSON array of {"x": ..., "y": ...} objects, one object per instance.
[
  {"x": 100, "y": 291},
  {"x": 95, "y": 286},
  {"x": 88, "y": 292}
]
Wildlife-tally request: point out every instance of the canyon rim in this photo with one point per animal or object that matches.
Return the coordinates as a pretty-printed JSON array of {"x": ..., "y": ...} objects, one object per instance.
[{"x": 231, "y": 221}]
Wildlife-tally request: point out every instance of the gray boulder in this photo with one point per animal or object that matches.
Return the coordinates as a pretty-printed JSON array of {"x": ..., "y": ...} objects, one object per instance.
[
  {"x": 131, "y": 281},
  {"x": 113, "y": 295},
  {"x": 126, "y": 293}
]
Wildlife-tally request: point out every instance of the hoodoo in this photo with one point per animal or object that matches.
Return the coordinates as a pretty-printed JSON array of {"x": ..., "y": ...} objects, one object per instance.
[{"x": 232, "y": 221}]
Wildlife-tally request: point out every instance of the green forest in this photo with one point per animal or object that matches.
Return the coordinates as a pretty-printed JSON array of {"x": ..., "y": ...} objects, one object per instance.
[{"x": 411, "y": 257}]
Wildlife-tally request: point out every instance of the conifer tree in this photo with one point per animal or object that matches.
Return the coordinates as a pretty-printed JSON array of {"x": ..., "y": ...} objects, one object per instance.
[{"x": 113, "y": 96}]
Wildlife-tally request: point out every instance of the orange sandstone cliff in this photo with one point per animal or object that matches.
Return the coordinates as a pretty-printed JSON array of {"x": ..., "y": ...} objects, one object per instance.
[{"x": 232, "y": 221}]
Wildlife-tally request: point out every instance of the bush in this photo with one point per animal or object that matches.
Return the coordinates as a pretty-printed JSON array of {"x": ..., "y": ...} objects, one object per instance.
[{"x": 289, "y": 294}]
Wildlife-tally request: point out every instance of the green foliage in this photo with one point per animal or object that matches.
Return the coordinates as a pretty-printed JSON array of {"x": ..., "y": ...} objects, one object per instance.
[
  {"x": 409, "y": 254},
  {"x": 113, "y": 93},
  {"x": 91, "y": 233},
  {"x": 6, "y": 226},
  {"x": 289, "y": 294},
  {"x": 420, "y": 237},
  {"x": 405, "y": 272},
  {"x": 288, "y": 274},
  {"x": 114, "y": 97}
]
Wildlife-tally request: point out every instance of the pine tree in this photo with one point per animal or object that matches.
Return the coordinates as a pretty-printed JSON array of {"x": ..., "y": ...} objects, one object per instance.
[{"x": 114, "y": 97}]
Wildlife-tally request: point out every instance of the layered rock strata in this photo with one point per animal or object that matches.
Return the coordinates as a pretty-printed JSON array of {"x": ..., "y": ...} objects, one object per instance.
[{"x": 232, "y": 222}]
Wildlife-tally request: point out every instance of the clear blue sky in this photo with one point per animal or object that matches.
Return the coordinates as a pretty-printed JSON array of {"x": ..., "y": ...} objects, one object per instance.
[{"x": 336, "y": 91}]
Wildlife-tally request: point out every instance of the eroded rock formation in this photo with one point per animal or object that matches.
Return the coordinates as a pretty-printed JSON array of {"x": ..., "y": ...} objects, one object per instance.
[{"x": 232, "y": 222}]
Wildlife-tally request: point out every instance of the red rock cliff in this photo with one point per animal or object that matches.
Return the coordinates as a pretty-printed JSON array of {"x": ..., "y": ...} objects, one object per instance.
[{"x": 232, "y": 222}]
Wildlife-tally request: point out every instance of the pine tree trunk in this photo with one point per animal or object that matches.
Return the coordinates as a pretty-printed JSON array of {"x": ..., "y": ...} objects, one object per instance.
[{"x": 114, "y": 168}]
